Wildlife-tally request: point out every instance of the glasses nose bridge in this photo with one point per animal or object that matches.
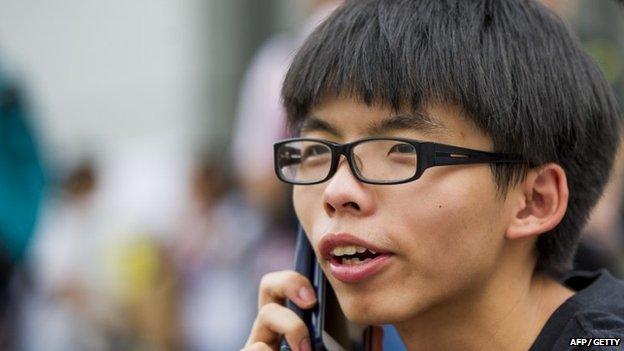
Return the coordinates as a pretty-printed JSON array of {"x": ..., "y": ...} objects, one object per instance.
[
  {"x": 346, "y": 151},
  {"x": 343, "y": 149}
]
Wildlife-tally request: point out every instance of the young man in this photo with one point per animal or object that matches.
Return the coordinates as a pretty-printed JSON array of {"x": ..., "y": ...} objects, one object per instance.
[{"x": 463, "y": 144}]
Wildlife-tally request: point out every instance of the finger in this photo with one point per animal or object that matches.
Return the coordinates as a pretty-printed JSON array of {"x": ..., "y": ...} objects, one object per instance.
[
  {"x": 276, "y": 286},
  {"x": 275, "y": 320},
  {"x": 378, "y": 333},
  {"x": 259, "y": 346}
]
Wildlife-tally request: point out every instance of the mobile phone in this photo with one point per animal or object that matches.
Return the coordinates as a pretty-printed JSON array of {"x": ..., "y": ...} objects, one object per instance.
[{"x": 329, "y": 328}]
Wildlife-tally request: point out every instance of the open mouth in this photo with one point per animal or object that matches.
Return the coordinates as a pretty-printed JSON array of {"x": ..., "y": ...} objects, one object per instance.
[
  {"x": 352, "y": 259},
  {"x": 352, "y": 255}
]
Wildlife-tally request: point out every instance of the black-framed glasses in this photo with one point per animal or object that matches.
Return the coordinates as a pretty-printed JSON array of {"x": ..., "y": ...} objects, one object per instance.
[{"x": 377, "y": 160}]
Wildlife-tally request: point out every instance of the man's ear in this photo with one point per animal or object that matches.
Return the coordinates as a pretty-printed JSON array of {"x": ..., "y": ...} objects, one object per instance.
[{"x": 543, "y": 202}]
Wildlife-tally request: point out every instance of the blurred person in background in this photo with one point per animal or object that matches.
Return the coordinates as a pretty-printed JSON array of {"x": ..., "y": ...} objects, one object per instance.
[
  {"x": 103, "y": 279},
  {"x": 602, "y": 240},
  {"x": 600, "y": 26},
  {"x": 214, "y": 253},
  {"x": 21, "y": 190},
  {"x": 260, "y": 121},
  {"x": 260, "y": 118},
  {"x": 67, "y": 310}
]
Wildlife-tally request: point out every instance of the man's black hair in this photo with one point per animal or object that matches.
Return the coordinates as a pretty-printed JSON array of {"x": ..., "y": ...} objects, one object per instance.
[{"x": 511, "y": 65}]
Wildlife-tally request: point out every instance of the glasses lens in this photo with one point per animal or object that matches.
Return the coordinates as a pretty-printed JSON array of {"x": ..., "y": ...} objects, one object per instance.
[
  {"x": 304, "y": 161},
  {"x": 385, "y": 160}
]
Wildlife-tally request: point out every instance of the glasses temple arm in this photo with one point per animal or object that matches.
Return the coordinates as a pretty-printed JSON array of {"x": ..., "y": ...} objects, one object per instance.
[{"x": 451, "y": 155}]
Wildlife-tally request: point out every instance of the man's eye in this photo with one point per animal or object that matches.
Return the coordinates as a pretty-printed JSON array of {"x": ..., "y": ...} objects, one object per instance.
[
  {"x": 402, "y": 149},
  {"x": 289, "y": 156},
  {"x": 315, "y": 151}
]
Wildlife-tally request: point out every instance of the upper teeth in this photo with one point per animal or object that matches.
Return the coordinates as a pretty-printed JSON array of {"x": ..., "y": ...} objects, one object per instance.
[{"x": 349, "y": 250}]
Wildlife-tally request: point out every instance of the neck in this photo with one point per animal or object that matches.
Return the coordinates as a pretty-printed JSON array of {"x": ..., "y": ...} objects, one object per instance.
[{"x": 506, "y": 313}]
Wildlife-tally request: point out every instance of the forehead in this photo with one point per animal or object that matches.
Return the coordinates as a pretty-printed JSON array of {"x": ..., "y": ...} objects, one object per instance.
[{"x": 346, "y": 118}]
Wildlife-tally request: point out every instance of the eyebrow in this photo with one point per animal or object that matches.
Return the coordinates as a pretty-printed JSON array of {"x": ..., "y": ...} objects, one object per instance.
[
  {"x": 315, "y": 124},
  {"x": 414, "y": 121}
]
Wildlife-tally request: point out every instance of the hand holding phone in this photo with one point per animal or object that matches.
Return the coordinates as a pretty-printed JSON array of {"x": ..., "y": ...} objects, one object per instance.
[
  {"x": 328, "y": 327},
  {"x": 276, "y": 322},
  {"x": 312, "y": 315},
  {"x": 274, "y": 319}
]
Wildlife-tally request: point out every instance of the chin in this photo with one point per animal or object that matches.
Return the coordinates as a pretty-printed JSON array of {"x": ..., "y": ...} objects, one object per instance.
[
  {"x": 381, "y": 306},
  {"x": 367, "y": 318},
  {"x": 361, "y": 310}
]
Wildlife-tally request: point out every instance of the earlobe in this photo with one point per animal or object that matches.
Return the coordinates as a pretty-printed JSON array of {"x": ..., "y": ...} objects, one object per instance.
[{"x": 542, "y": 204}]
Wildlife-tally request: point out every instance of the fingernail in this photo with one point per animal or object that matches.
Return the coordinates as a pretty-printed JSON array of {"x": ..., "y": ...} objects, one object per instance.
[
  {"x": 304, "y": 345},
  {"x": 306, "y": 294}
]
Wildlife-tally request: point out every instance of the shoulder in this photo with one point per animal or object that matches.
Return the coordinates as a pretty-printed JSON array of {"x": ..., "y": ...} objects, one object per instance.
[
  {"x": 592, "y": 328},
  {"x": 599, "y": 323},
  {"x": 595, "y": 314},
  {"x": 599, "y": 303}
]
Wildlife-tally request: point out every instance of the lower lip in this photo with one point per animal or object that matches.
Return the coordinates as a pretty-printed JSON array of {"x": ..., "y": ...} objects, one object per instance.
[{"x": 353, "y": 273}]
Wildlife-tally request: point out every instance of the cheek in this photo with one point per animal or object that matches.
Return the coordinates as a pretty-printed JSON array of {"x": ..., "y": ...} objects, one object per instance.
[
  {"x": 306, "y": 204},
  {"x": 299, "y": 204},
  {"x": 449, "y": 228}
]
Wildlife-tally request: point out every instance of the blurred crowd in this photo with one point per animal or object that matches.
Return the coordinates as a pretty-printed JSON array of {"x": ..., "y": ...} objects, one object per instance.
[{"x": 147, "y": 244}]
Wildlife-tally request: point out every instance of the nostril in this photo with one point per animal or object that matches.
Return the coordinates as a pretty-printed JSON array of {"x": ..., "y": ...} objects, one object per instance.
[
  {"x": 352, "y": 205},
  {"x": 329, "y": 208}
]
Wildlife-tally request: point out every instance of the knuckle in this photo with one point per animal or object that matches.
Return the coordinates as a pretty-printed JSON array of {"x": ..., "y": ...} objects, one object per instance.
[
  {"x": 288, "y": 275},
  {"x": 265, "y": 281},
  {"x": 272, "y": 280},
  {"x": 288, "y": 321},
  {"x": 267, "y": 310}
]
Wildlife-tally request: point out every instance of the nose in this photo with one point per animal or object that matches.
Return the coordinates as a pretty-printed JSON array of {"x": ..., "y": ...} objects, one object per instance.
[{"x": 344, "y": 194}]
